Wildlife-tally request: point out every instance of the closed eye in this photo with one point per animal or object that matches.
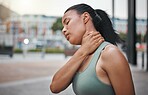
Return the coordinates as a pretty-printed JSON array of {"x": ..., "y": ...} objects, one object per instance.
[{"x": 67, "y": 21}]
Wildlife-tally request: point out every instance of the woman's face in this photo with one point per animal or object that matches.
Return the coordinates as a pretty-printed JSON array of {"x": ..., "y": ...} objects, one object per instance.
[{"x": 74, "y": 27}]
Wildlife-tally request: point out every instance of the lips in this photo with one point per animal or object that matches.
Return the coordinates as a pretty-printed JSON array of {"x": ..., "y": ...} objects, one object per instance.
[{"x": 67, "y": 37}]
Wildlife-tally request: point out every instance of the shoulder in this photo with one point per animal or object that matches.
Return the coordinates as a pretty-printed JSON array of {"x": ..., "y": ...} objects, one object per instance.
[
  {"x": 111, "y": 56},
  {"x": 111, "y": 51}
]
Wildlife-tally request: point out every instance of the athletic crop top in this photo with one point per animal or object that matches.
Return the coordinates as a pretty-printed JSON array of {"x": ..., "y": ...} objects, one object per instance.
[{"x": 87, "y": 82}]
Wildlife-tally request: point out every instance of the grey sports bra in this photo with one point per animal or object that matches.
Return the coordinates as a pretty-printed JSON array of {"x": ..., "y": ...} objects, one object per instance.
[{"x": 87, "y": 82}]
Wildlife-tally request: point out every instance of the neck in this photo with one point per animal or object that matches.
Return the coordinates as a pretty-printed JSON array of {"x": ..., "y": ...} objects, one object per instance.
[{"x": 90, "y": 27}]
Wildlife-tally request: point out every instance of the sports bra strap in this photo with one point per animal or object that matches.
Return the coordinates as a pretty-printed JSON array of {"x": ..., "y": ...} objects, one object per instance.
[{"x": 96, "y": 55}]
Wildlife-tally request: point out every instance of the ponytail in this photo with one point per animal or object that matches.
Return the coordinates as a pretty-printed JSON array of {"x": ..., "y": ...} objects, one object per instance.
[{"x": 105, "y": 27}]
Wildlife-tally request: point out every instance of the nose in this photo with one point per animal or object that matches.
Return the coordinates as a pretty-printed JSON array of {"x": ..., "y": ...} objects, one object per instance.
[{"x": 64, "y": 30}]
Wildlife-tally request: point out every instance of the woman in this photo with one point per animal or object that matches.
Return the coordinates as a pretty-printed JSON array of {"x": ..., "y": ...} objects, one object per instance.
[{"x": 98, "y": 67}]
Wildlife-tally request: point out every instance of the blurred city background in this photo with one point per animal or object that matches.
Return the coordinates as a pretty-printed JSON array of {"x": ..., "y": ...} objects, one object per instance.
[{"x": 33, "y": 48}]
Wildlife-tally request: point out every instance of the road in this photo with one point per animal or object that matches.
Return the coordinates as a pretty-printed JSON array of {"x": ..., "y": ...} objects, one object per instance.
[{"x": 32, "y": 74}]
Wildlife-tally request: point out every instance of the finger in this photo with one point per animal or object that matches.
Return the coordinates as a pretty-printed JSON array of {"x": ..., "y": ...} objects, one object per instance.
[
  {"x": 99, "y": 40},
  {"x": 95, "y": 33},
  {"x": 98, "y": 43},
  {"x": 86, "y": 34},
  {"x": 91, "y": 34},
  {"x": 97, "y": 36}
]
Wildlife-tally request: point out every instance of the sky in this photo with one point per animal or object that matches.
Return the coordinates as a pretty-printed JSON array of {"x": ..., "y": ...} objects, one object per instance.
[{"x": 57, "y": 7}]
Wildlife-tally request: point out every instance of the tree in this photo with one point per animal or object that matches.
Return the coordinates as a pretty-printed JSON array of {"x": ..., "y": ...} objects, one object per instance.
[{"x": 57, "y": 25}]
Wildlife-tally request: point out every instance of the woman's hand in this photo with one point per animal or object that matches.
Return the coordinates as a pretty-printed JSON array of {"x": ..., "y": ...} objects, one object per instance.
[{"x": 91, "y": 41}]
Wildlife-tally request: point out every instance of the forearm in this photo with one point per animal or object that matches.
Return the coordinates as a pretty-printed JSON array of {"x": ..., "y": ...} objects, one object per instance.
[{"x": 63, "y": 77}]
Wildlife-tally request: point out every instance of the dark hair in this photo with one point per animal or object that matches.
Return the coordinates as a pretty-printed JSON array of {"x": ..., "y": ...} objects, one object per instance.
[{"x": 100, "y": 20}]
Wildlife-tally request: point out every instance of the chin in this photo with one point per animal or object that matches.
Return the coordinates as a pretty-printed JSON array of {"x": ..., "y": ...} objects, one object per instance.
[{"x": 74, "y": 42}]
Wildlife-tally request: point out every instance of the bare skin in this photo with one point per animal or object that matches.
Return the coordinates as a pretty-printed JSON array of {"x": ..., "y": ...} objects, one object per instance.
[
  {"x": 63, "y": 77},
  {"x": 112, "y": 68}
]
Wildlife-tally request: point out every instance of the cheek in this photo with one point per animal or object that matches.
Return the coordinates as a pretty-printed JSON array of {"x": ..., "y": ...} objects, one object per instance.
[
  {"x": 76, "y": 38},
  {"x": 77, "y": 25},
  {"x": 76, "y": 32}
]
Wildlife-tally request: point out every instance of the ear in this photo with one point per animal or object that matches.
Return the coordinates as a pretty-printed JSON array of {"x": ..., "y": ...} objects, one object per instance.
[{"x": 86, "y": 17}]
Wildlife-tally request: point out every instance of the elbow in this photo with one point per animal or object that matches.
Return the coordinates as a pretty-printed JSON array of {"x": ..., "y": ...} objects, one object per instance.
[{"x": 54, "y": 89}]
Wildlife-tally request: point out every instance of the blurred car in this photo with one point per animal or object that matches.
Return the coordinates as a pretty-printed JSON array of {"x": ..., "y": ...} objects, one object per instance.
[
  {"x": 6, "y": 42},
  {"x": 40, "y": 44},
  {"x": 6, "y": 50}
]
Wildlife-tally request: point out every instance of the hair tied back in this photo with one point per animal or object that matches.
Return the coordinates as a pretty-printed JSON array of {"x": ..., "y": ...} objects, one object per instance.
[{"x": 97, "y": 17}]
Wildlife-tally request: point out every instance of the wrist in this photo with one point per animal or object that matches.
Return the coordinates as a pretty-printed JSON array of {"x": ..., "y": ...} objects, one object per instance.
[{"x": 82, "y": 52}]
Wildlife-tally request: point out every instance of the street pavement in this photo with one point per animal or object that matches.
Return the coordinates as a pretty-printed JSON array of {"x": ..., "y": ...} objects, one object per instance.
[{"x": 32, "y": 74}]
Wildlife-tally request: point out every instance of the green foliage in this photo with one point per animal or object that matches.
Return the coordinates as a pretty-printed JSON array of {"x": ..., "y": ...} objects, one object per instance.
[
  {"x": 48, "y": 50},
  {"x": 35, "y": 50},
  {"x": 139, "y": 38},
  {"x": 54, "y": 50},
  {"x": 57, "y": 25},
  {"x": 18, "y": 51},
  {"x": 123, "y": 36}
]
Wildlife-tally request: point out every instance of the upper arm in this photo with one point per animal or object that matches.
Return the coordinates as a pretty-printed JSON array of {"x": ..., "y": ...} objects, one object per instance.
[{"x": 118, "y": 71}]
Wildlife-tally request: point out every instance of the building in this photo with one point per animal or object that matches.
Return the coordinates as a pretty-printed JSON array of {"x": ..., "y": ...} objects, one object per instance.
[
  {"x": 36, "y": 28},
  {"x": 121, "y": 25},
  {"x": 5, "y": 13}
]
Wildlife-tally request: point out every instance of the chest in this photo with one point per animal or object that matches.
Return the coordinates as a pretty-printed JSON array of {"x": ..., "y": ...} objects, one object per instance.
[
  {"x": 98, "y": 70},
  {"x": 88, "y": 82}
]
